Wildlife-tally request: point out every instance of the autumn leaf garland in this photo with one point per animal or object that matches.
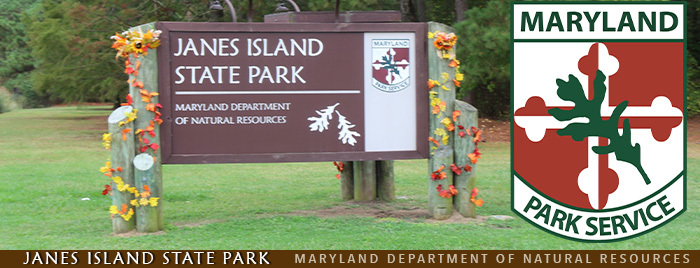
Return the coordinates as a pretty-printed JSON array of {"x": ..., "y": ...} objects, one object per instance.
[
  {"x": 131, "y": 45},
  {"x": 444, "y": 43}
]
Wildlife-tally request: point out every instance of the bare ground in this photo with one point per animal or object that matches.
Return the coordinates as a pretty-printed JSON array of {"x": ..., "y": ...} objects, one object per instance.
[{"x": 383, "y": 210}]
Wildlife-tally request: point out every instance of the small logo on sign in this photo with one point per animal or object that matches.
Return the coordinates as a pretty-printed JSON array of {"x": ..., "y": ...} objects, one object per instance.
[{"x": 390, "y": 64}]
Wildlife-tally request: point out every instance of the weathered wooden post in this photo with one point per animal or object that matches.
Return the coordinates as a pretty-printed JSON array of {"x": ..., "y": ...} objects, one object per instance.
[
  {"x": 465, "y": 181},
  {"x": 147, "y": 165},
  {"x": 347, "y": 181},
  {"x": 365, "y": 173},
  {"x": 121, "y": 154},
  {"x": 443, "y": 156},
  {"x": 385, "y": 180}
]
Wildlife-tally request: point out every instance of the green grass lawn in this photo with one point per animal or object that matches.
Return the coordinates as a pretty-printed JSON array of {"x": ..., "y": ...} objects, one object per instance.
[{"x": 49, "y": 161}]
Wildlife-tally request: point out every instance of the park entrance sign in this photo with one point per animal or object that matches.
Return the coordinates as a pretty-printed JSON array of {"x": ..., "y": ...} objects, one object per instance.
[
  {"x": 598, "y": 110},
  {"x": 237, "y": 92}
]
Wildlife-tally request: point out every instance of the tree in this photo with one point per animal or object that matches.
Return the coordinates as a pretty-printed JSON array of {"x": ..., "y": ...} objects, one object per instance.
[
  {"x": 484, "y": 51},
  {"x": 70, "y": 41},
  {"x": 16, "y": 61}
]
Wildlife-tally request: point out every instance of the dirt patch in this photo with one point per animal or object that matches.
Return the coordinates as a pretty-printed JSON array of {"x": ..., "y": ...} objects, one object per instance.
[
  {"x": 134, "y": 233},
  {"x": 97, "y": 122},
  {"x": 75, "y": 103},
  {"x": 694, "y": 130},
  {"x": 366, "y": 209},
  {"x": 494, "y": 130},
  {"x": 195, "y": 224},
  {"x": 380, "y": 210}
]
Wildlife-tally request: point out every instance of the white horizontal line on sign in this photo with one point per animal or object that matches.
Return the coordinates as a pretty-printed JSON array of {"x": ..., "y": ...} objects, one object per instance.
[{"x": 283, "y": 92}]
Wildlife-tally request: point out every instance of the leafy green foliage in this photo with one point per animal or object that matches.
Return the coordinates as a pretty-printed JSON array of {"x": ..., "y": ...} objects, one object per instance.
[
  {"x": 347, "y": 5},
  {"x": 693, "y": 23},
  {"x": 16, "y": 61},
  {"x": 70, "y": 41},
  {"x": 21, "y": 87},
  {"x": 621, "y": 145},
  {"x": 15, "y": 56},
  {"x": 693, "y": 87},
  {"x": 484, "y": 52}
]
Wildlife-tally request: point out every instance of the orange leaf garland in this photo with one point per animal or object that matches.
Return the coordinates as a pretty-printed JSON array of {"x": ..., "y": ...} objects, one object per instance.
[
  {"x": 107, "y": 190},
  {"x": 457, "y": 83},
  {"x": 150, "y": 130},
  {"x": 473, "y": 199},
  {"x": 474, "y": 157},
  {"x": 467, "y": 168},
  {"x": 437, "y": 143},
  {"x": 124, "y": 132},
  {"x": 438, "y": 174},
  {"x": 456, "y": 169},
  {"x": 339, "y": 166},
  {"x": 453, "y": 190},
  {"x": 477, "y": 136},
  {"x": 450, "y": 192},
  {"x": 436, "y": 109},
  {"x": 145, "y": 95}
]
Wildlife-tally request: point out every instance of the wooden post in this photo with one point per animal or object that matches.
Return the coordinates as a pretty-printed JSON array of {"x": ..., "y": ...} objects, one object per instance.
[
  {"x": 149, "y": 218},
  {"x": 440, "y": 207},
  {"x": 121, "y": 154},
  {"x": 365, "y": 180},
  {"x": 347, "y": 182},
  {"x": 466, "y": 181},
  {"x": 385, "y": 180}
]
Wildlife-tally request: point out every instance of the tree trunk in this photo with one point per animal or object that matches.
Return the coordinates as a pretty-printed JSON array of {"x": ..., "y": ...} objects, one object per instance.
[
  {"x": 419, "y": 10},
  {"x": 461, "y": 6},
  {"x": 413, "y": 10}
]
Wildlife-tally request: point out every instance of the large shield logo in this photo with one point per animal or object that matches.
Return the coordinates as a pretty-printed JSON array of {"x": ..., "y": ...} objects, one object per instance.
[{"x": 598, "y": 127}]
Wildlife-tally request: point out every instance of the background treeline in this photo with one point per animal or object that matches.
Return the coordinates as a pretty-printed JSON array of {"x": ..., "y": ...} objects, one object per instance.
[{"x": 58, "y": 51}]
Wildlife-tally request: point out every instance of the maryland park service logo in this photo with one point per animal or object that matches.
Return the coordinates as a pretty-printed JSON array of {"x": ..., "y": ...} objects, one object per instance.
[
  {"x": 598, "y": 128},
  {"x": 390, "y": 64}
]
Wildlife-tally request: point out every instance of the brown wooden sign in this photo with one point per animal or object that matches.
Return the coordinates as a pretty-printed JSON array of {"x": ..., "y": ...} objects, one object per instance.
[{"x": 246, "y": 92}]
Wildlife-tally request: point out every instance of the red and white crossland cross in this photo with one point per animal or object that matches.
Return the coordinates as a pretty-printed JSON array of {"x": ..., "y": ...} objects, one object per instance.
[{"x": 598, "y": 123}]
